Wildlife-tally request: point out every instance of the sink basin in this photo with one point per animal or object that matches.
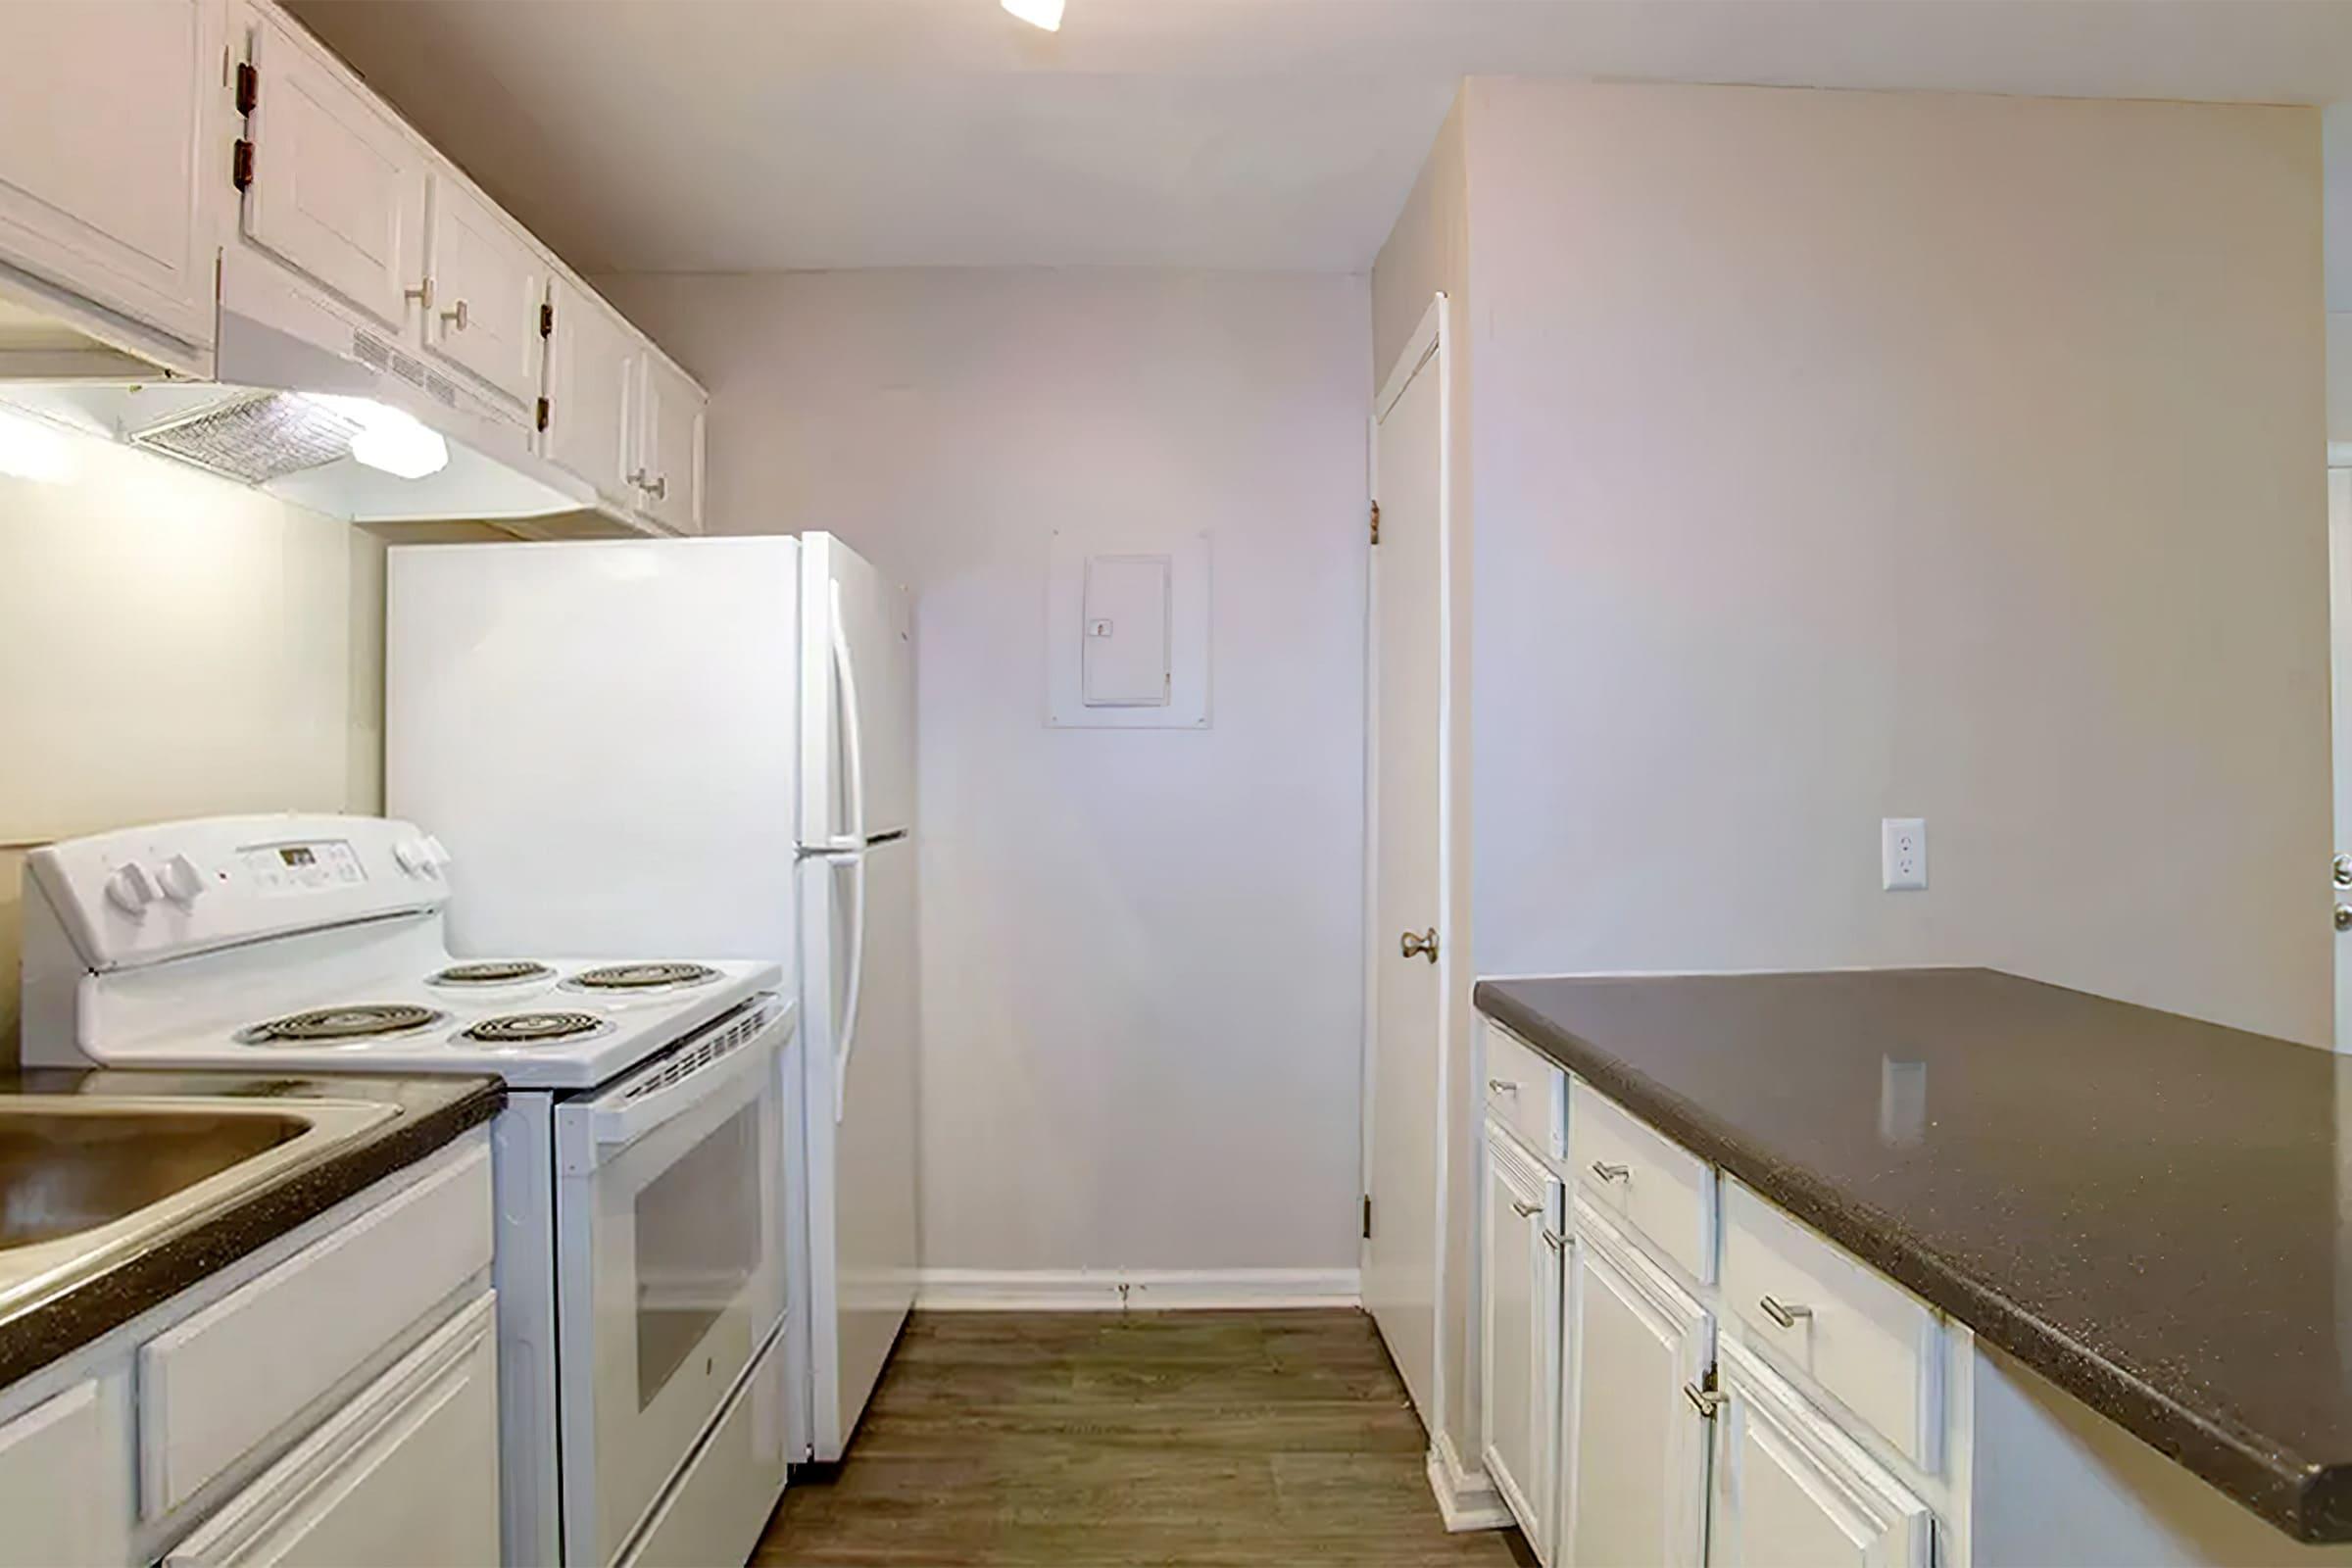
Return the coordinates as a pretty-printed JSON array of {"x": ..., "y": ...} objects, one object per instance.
[
  {"x": 63, "y": 1174},
  {"x": 85, "y": 1183}
]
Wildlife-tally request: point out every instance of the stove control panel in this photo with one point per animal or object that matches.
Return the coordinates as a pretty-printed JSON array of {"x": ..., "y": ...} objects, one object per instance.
[{"x": 145, "y": 894}]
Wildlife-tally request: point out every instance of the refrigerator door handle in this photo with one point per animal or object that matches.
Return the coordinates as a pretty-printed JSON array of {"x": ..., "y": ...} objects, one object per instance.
[
  {"x": 848, "y": 1034},
  {"x": 852, "y": 736}
]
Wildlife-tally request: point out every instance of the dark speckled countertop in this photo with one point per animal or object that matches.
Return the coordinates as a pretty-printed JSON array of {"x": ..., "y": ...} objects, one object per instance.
[
  {"x": 2153, "y": 1212},
  {"x": 429, "y": 1113}
]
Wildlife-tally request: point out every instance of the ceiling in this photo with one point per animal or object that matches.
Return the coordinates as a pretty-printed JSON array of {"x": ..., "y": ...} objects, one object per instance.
[{"x": 743, "y": 135}]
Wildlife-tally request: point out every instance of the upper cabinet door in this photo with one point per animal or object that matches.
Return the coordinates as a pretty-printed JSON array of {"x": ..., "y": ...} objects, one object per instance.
[
  {"x": 338, "y": 186},
  {"x": 669, "y": 467},
  {"x": 1791, "y": 1491},
  {"x": 488, "y": 284},
  {"x": 108, "y": 163},
  {"x": 591, "y": 371}
]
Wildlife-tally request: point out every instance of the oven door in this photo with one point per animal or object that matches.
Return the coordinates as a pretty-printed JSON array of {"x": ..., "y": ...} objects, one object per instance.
[{"x": 669, "y": 1269}]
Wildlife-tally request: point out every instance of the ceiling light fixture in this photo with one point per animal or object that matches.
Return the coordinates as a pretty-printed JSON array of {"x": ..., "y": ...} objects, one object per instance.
[{"x": 1046, "y": 13}]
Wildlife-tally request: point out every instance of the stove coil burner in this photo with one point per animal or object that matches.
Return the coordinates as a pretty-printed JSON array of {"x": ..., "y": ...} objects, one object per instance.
[
  {"x": 360, "y": 1022},
  {"x": 535, "y": 1028},
  {"x": 490, "y": 973},
  {"x": 643, "y": 976}
]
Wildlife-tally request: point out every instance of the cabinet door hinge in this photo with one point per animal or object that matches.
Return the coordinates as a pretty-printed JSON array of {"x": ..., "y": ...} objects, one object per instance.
[
  {"x": 240, "y": 165},
  {"x": 1367, "y": 1216},
  {"x": 543, "y": 413},
  {"x": 249, "y": 87},
  {"x": 1376, "y": 522},
  {"x": 547, "y": 320}
]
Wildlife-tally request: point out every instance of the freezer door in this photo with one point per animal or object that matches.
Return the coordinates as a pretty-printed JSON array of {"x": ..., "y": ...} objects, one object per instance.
[
  {"x": 859, "y": 913},
  {"x": 605, "y": 736},
  {"x": 856, "y": 697}
]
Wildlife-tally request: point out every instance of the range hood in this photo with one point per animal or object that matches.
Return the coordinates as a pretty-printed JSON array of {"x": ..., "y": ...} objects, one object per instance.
[{"x": 307, "y": 405}]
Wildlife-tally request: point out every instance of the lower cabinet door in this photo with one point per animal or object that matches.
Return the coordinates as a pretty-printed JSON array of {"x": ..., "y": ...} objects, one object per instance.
[
  {"x": 1633, "y": 1482},
  {"x": 1521, "y": 1265},
  {"x": 405, "y": 1475},
  {"x": 1791, "y": 1491}
]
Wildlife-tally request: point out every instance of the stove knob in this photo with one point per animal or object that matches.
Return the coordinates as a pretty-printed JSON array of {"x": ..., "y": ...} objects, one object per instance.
[
  {"x": 414, "y": 858},
  {"x": 131, "y": 889},
  {"x": 181, "y": 882},
  {"x": 437, "y": 853}
]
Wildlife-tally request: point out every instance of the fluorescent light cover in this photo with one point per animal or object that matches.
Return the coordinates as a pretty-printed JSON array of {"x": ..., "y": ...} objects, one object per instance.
[
  {"x": 31, "y": 450},
  {"x": 1046, "y": 13},
  {"x": 391, "y": 439}
]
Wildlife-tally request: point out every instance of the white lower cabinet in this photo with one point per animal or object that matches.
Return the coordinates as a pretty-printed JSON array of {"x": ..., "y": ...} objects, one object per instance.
[
  {"x": 53, "y": 1491},
  {"x": 1636, "y": 1347},
  {"x": 1791, "y": 1491},
  {"x": 405, "y": 1475},
  {"x": 1522, "y": 1268}
]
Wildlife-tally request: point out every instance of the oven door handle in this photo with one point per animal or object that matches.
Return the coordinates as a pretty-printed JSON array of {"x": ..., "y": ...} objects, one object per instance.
[{"x": 598, "y": 1130}]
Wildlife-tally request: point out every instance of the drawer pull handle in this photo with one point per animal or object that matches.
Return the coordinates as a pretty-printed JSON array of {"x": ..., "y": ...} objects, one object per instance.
[
  {"x": 1784, "y": 1315},
  {"x": 1612, "y": 1173},
  {"x": 1706, "y": 1401},
  {"x": 1503, "y": 1085},
  {"x": 1527, "y": 1210},
  {"x": 1555, "y": 1240}
]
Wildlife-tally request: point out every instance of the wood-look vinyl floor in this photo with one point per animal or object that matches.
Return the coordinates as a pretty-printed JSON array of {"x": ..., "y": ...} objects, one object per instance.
[{"x": 1114, "y": 1441}]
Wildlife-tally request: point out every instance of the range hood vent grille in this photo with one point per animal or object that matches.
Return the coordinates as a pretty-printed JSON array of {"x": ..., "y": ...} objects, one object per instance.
[{"x": 257, "y": 438}]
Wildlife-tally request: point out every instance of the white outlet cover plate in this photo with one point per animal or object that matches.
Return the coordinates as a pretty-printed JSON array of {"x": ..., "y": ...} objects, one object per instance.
[{"x": 1903, "y": 853}]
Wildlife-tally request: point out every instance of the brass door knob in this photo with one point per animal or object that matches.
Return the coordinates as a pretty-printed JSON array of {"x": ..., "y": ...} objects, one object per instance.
[{"x": 1419, "y": 944}]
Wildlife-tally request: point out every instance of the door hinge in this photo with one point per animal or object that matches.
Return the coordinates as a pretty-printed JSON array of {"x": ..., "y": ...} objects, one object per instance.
[
  {"x": 1367, "y": 1216},
  {"x": 240, "y": 165},
  {"x": 543, "y": 413},
  {"x": 249, "y": 87},
  {"x": 547, "y": 320},
  {"x": 1376, "y": 522}
]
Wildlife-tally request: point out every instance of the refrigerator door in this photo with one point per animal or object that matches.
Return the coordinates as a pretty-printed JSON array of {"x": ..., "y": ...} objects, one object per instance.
[
  {"x": 857, "y": 692},
  {"x": 605, "y": 736},
  {"x": 860, "y": 994}
]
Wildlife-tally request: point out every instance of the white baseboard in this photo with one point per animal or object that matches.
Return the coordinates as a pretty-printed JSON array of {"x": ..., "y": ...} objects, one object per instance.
[
  {"x": 1142, "y": 1289},
  {"x": 1467, "y": 1499}
]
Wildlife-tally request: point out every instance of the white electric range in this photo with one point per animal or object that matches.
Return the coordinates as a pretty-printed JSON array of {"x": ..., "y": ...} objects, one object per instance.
[{"x": 640, "y": 1234}]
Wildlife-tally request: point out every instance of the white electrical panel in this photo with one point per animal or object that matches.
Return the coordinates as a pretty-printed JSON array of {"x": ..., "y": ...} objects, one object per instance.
[{"x": 1127, "y": 631}]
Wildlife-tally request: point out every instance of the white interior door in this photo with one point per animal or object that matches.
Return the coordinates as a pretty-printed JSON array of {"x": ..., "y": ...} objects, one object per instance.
[
  {"x": 2339, "y": 637},
  {"x": 1405, "y": 1083}
]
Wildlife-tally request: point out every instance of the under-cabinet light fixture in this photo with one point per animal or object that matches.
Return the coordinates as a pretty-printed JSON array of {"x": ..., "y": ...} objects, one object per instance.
[{"x": 1046, "y": 13}]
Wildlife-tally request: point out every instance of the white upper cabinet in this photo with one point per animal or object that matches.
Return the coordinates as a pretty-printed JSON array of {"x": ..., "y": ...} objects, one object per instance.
[
  {"x": 338, "y": 184},
  {"x": 669, "y": 463},
  {"x": 1519, "y": 1327},
  {"x": 1791, "y": 1491},
  {"x": 1634, "y": 1485},
  {"x": 488, "y": 285},
  {"x": 592, "y": 374},
  {"x": 110, "y": 158}
]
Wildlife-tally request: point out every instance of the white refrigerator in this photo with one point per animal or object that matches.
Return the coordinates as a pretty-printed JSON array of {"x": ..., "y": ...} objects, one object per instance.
[{"x": 698, "y": 748}]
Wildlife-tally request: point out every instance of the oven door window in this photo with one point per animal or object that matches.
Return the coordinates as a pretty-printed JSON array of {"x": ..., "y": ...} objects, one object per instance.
[{"x": 701, "y": 1238}]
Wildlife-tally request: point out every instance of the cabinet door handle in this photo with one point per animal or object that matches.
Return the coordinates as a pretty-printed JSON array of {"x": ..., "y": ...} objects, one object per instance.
[
  {"x": 456, "y": 316},
  {"x": 656, "y": 488},
  {"x": 1706, "y": 1401},
  {"x": 1783, "y": 1313},
  {"x": 422, "y": 293},
  {"x": 1612, "y": 1173},
  {"x": 1527, "y": 1210},
  {"x": 1555, "y": 1240},
  {"x": 1503, "y": 1085}
]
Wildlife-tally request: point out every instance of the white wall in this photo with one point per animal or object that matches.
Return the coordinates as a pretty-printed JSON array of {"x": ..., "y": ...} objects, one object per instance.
[
  {"x": 1849, "y": 455},
  {"x": 1141, "y": 950},
  {"x": 173, "y": 645}
]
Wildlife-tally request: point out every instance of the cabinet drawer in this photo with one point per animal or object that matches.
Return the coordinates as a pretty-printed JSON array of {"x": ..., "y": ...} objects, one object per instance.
[
  {"x": 1644, "y": 1180},
  {"x": 1868, "y": 1343},
  {"x": 1527, "y": 1093},
  {"x": 212, "y": 1387},
  {"x": 405, "y": 1475}
]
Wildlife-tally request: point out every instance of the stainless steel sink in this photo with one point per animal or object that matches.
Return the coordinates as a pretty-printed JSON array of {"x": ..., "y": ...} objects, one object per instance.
[{"x": 86, "y": 1181}]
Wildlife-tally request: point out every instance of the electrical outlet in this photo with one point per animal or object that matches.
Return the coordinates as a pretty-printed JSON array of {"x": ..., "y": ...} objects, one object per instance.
[{"x": 1903, "y": 853}]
